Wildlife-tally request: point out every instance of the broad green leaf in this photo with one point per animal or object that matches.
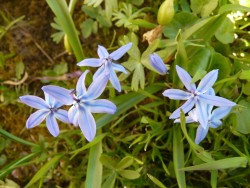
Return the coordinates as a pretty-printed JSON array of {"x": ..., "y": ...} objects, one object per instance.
[
  {"x": 225, "y": 32},
  {"x": 156, "y": 181},
  {"x": 19, "y": 69},
  {"x": 222, "y": 63},
  {"x": 44, "y": 169},
  {"x": 124, "y": 163},
  {"x": 243, "y": 117},
  {"x": 233, "y": 7},
  {"x": 129, "y": 174},
  {"x": 61, "y": 68},
  {"x": 107, "y": 161},
  {"x": 110, "y": 181},
  {"x": 233, "y": 162},
  {"x": 246, "y": 88},
  {"x": 88, "y": 27},
  {"x": 198, "y": 75},
  {"x": 245, "y": 75},
  {"x": 178, "y": 156},
  {"x": 94, "y": 170},
  {"x": 205, "y": 7}
]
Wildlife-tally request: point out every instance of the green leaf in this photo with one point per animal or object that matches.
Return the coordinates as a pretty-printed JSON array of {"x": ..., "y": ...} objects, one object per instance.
[
  {"x": 107, "y": 161},
  {"x": 61, "y": 11},
  {"x": 178, "y": 155},
  {"x": 61, "y": 68},
  {"x": 233, "y": 7},
  {"x": 233, "y": 162},
  {"x": 156, "y": 181},
  {"x": 225, "y": 32},
  {"x": 129, "y": 174},
  {"x": 138, "y": 77},
  {"x": 19, "y": 69},
  {"x": 44, "y": 169},
  {"x": 87, "y": 27},
  {"x": 110, "y": 181},
  {"x": 143, "y": 23},
  {"x": 198, "y": 75},
  {"x": 243, "y": 117},
  {"x": 94, "y": 170},
  {"x": 125, "y": 163},
  {"x": 222, "y": 63},
  {"x": 204, "y": 7},
  {"x": 245, "y": 75}
]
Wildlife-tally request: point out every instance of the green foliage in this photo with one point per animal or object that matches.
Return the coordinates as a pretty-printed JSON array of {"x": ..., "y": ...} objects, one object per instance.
[{"x": 138, "y": 146}]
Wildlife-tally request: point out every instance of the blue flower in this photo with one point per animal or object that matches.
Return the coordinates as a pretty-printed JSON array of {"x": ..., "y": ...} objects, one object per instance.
[
  {"x": 197, "y": 97},
  {"x": 214, "y": 120},
  {"x": 157, "y": 63},
  {"x": 107, "y": 63},
  {"x": 47, "y": 109},
  {"x": 84, "y": 102}
]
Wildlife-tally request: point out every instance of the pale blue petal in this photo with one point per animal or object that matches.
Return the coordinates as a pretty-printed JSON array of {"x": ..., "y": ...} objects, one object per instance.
[
  {"x": 51, "y": 101},
  {"x": 87, "y": 123},
  {"x": 157, "y": 63},
  {"x": 193, "y": 115},
  {"x": 60, "y": 94},
  {"x": 102, "y": 52},
  {"x": 202, "y": 114},
  {"x": 208, "y": 81},
  {"x": 119, "y": 68},
  {"x": 62, "y": 115},
  {"x": 101, "y": 106},
  {"x": 120, "y": 51},
  {"x": 91, "y": 62},
  {"x": 200, "y": 134},
  {"x": 115, "y": 81},
  {"x": 215, "y": 123},
  {"x": 188, "y": 120},
  {"x": 73, "y": 115},
  {"x": 80, "y": 86},
  {"x": 100, "y": 71},
  {"x": 36, "y": 118},
  {"x": 185, "y": 78},
  {"x": 215, "y": 100},
  {"x": 97, "y": 87},
  {"x": 186, "y": 107},
  {"x": 34, "y": 101},
  {"x": 176, "y": 94},
  {"x": 220, "y": 113},
  {"x": 210, "y": 107},
  {"x": 52, "y": 125}
]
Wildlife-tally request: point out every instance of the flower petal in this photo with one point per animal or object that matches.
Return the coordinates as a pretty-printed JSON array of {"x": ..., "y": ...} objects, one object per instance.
[
  {"x": 157, "y": 63},
  {"x": 87, "y": 123},
  {"x": 97, "y": 87},
  {"x": 62, "y": 115},
  {"x": 215, "y": 100},
  {"x": 36, "y": 118},
  {"x": 188, "y": 120},
  {"x": 186, "y": 107},
  {"x": 115, "y": 81},
  {"x": 215, "y": 124},
  {"x": 202, "y": 114},
  {"x": 200, "y": 134},
  {"x": 91, "y": 62},
  {"x": 60, "y": 94},
  {"x": 220, "y": 113},
  {"x": 185, "y": 78},
  {"x": 101, "y": 106},
  {"x": 80, "y": 86},
  {"x": 176, "y": 94},
  {"x": 118, "y": 67},
  {"x": 34, "y": 101},
  {"x": 52, "y": 125},
  {"x": 73, "y": 115},
  {"x": 102, "y": 52},
  {"x": 120, "y": 51},
  {"x": 100, "y": 71},
  {"x": 208, "y": 81},
  {"x": 51, "y": 101}
]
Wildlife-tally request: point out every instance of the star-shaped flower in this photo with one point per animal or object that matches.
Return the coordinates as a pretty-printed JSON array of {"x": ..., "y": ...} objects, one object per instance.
[
  {"x": 214, "y": 119},
  {"x": 197, "y": 97},
  {"x": 107, "y": 63},
  {"x": 157, "y": 63},
  {"x": 47, "y": 109},
  {"x": 84, "y": 102}
]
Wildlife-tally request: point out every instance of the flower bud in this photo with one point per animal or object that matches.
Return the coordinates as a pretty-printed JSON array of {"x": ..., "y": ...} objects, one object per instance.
[
  {"x": 157, "y": 63},
  {"x": 166, "y": 12}
]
